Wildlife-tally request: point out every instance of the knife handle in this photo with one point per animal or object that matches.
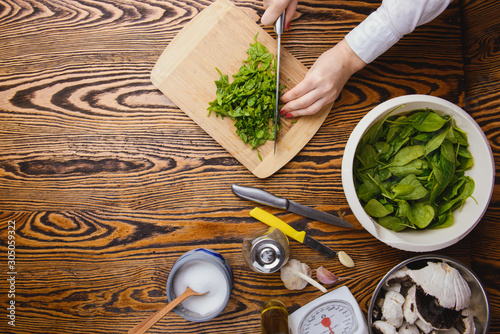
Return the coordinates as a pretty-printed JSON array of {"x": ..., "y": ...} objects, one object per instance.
[
  {"x": 260, "y": 196},
  {"x": 274, "y": 221},
  {"x": 279, "y": 25}
]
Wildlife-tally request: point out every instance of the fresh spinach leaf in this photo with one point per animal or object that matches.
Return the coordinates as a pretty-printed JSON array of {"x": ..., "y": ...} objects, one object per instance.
[
  {"x": 422, "y": 214},
  {"x": 430, "y": 122},
  {"x": 376, "y": 209},
  {"x": 393, "y": 223}
]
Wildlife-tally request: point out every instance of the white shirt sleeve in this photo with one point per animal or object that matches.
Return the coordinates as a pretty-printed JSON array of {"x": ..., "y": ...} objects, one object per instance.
[{"x": 389, "y": 23}]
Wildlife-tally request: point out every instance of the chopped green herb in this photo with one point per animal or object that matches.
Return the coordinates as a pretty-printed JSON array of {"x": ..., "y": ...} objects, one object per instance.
[
  {"x": 250, "y": 98},
  {"x": 409, "y": 170}
]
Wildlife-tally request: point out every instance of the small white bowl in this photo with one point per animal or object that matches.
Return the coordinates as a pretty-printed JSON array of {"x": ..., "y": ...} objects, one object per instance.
[{"x": 483, "y": 173}]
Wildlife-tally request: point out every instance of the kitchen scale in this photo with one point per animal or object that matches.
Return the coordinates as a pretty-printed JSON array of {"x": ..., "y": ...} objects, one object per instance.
[{"x": 336, "y": 312}]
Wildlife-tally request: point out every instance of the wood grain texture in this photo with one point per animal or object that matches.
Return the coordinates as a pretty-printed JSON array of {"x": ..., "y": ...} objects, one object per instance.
[
  {"x": 107, "y": 128},
  {"x": 109, "y": 182},
  {"x": 108, "y": 271},
  {"x": 481, "y": 25}
]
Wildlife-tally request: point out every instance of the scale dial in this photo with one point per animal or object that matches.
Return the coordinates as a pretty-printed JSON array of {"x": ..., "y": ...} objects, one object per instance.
[{"x": 330, "y": 317}]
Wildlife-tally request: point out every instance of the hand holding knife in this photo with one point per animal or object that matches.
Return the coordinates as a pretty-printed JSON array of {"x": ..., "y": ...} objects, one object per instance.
[{"x": 263, "y": 197}]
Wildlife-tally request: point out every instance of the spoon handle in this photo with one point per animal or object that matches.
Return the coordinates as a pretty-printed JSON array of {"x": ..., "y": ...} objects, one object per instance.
[{"x": 153, "y": 319}]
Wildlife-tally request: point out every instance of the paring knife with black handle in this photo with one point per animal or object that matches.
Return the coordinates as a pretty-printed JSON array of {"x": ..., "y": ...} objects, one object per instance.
[
  {"x": 266, "y": 198},
  {"x": 300, "y": 236}
]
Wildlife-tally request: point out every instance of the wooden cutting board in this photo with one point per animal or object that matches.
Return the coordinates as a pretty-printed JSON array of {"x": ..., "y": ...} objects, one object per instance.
[{"x": 219, "y": 37}]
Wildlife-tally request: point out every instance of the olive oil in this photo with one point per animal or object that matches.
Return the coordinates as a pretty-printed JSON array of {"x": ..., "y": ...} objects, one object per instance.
[{"x": 274, "y": 318}]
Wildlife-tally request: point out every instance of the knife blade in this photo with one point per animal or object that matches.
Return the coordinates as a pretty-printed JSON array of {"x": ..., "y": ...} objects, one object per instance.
[
  {"x": 263, "y": 197},
  {"x": 302, "y": 237},
  {"x": 278, "y": 28}
]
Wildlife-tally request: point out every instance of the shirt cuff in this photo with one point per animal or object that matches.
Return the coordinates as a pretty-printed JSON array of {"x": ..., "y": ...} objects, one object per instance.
[
  {"x": 371, "y": 38},
  {"x": 391, "y": 21}
]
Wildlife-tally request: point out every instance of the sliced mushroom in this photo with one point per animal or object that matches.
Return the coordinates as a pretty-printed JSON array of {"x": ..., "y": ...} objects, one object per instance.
[
  {"x": 447, "y": 331},
  {"x": 430, "y": 311},
  {"x": 399, "y": 281},
  {"x": 377, "y": 309},
  {"x": 408, "y": 329},
  {"x": 396, "y": 287},
  {"x": 392, "y": 310},
  {"x": 465, "y": 325},
  {"x": 383, "y": 327},
  {"x": 424, "y": 326},
  {"x": 397, "y": 275},
  {"x": 410, "y": 307},
  {"x": 443, "y": 282}
]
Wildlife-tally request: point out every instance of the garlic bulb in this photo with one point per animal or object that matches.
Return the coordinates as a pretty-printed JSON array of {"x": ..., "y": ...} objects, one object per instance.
[{"x": 289, "y": 277}]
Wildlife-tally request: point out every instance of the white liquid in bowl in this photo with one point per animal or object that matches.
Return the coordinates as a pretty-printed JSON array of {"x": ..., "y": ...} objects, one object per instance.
[{"x": 201, "y": 276}]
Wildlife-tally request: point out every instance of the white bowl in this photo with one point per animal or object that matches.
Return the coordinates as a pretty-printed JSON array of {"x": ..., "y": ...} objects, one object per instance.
[{"x": 483, "y": 173}]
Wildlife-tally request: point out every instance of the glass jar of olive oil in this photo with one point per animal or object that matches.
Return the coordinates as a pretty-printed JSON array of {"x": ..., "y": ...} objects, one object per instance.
[{"x": 274, "y": 318}]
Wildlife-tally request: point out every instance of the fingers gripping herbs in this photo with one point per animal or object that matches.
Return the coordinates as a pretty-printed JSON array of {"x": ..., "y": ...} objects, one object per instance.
[
  {"x": 410, "y": 170},
  {"x": 250, "y": 98}
]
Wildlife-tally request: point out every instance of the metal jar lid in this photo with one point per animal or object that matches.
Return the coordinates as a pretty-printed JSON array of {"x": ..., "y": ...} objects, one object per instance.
[{"x": 267, "y": 255}]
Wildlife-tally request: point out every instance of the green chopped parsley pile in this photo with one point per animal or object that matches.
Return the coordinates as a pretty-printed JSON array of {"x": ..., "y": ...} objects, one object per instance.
[{"x": 250, "y": 98}]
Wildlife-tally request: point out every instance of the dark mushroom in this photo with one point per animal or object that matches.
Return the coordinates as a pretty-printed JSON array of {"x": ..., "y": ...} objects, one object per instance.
[{"x": 431, "y": 312}]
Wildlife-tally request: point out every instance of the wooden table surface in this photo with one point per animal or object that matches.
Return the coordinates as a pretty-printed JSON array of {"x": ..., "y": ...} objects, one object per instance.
[{"x": 108, "y": 182}]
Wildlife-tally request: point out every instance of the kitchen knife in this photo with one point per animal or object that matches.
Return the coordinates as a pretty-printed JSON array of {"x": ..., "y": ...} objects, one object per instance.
[
  {"x": 278, "y": 28},
  {"x": 263, "y": 197},
  {"x": 301, "y": 236}
]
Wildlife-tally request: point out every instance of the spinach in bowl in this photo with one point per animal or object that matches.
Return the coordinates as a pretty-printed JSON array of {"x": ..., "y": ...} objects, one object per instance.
[{"x": 409, "y": 170}]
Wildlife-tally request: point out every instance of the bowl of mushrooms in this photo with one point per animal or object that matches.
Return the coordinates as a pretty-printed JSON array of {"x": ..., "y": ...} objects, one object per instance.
[{"x": 429, "y": 294}]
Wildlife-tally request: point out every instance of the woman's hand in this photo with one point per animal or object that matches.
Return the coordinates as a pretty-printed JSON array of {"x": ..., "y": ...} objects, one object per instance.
[
  {"x": 323, "y": 82},
  {"x": 274, "y": 8}
]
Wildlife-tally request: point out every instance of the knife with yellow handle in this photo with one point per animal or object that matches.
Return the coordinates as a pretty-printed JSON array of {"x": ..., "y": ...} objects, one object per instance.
[{"x": 300, "y": 236}]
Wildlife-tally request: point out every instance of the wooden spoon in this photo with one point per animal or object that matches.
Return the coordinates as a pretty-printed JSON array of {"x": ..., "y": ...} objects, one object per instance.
[{"x": 153, "y": 319}]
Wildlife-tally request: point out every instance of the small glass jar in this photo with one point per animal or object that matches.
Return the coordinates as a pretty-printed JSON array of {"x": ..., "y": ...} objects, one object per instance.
[{"x": 267, "y": 250}]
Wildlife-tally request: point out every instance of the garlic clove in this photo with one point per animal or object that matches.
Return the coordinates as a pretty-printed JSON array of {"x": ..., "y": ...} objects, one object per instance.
[
  {"x": 345, "y": 259},
  {"x": 310, "y": 281},
  {"x": 325, "y": 276}
]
